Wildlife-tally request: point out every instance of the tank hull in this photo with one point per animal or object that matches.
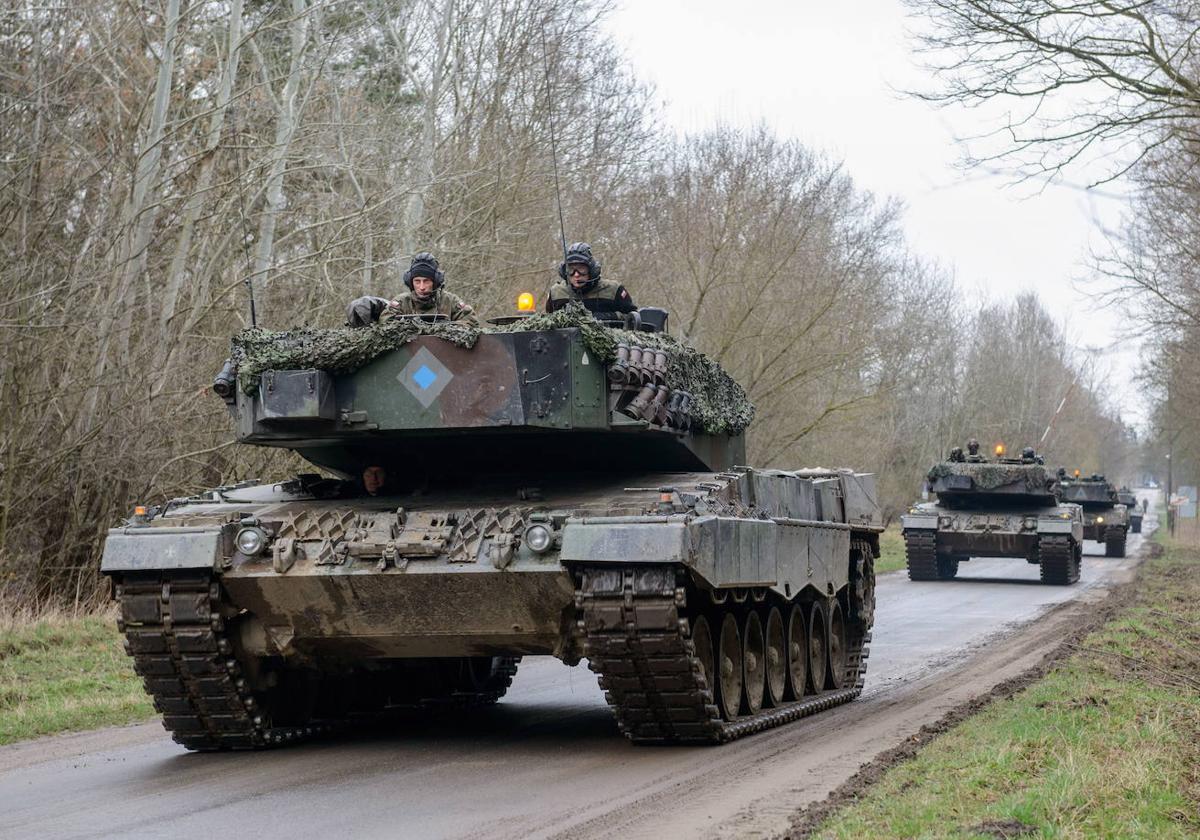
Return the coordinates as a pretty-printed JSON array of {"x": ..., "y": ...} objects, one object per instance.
[{"x": 360, "y": 592}]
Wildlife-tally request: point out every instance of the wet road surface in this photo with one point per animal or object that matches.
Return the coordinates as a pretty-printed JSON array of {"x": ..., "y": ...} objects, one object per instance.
[{"x": 547, "y": 760}]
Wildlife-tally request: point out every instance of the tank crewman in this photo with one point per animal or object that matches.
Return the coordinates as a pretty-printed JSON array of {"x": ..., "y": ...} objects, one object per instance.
[
  {"x": 956, "y": 455},
  {"x": 582, "y": 282},
  {"x": 426, "y": 295},
  {"x": 1029, "y": 455},
  {"x": 973, "y": 451}
]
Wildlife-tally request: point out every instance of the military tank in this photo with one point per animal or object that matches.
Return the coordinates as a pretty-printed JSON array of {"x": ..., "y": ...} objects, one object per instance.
[
  {"x": 1105, "y": 517},
  {"x": 553, "y": 486},
  {"x": 1002, "y": 507},
  {"x": 1127, "y": 497}
]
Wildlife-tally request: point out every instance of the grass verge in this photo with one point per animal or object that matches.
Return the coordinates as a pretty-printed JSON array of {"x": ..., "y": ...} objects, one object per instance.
[
  {"x": 891, "y": 550},
  {"x": 62, "y": 673},
  {"x": 1106, "y": 745}
]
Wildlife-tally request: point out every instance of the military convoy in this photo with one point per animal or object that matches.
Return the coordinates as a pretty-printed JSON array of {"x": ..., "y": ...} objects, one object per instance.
[
  {"x": 553, "y": 486},
  {"x": 1105, "y": 517},
  {"x": 1004, "y": 507},
  {"x": 1126, "y": 497}
]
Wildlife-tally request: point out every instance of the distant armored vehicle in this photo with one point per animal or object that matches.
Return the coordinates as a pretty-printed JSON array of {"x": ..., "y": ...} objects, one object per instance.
[
  {"x": 552, "y": 486},
  {"x": 1127, "y": 498},
  {"x": 1105, "y": 518},
  {"x": 1006, "y": 507}
]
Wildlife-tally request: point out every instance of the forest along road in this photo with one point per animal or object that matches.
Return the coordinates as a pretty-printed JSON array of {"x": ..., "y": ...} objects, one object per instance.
[{"x": 547, "y": 760}]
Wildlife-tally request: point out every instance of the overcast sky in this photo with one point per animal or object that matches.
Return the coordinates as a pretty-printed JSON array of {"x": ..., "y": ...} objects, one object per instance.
[{"x": 828, "y": 74}]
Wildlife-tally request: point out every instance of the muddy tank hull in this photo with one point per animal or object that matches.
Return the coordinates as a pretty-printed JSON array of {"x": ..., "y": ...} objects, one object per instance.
[
  {"x": 939, "y": 538},
  {"x": 353, "y": 607}
]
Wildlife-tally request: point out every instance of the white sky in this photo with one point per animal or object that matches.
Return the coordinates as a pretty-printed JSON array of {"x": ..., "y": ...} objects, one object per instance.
[{"x": 828, "y": 74}]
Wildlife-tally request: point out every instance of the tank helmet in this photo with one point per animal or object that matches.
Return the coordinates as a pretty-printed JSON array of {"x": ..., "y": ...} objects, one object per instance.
[
  {"x": 1028, "y": 452},
  {"x": 973, "y": 446},
  {"x": 580, "y": 253},
  {"x": 424, "y": 264}
]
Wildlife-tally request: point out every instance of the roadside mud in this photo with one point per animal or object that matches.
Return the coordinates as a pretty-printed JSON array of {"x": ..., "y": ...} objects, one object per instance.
[{"x": 1090, "y": 617}]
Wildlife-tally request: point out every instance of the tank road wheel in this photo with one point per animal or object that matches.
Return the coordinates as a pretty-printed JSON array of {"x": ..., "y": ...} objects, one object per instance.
[
  {"x": 1114, "y": 542},
  {"x": 947, "y": 567},
  {"x": 729, "y": 657},
  {"x": 754, "y": 663},
  {"x": 837, "y": 645},
  {"x": 703, "y": 643},
  {"x": 920, "y": 554},
  {"x": 777, "y": 672},
  {"x": 797, "y": 650},
  {"x": 818, "y": 647}
]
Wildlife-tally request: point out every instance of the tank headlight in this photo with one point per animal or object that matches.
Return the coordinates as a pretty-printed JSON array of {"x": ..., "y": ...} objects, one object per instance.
[
  {"x": 251, "y": 541},
  {"x": 945, "y": 521},
  {"x": 1030, "y": 523},
  {"x": 1099, "y": 520},
  {"x": 538, "y": 538}
]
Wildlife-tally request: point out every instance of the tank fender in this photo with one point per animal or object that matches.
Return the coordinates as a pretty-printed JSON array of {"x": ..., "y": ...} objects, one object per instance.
[
  {"x": 919, "y": 521},
  {"x": 1056, "y": 526},
  {"x": 138, "y": 548},
  {"x": 626, "y": 539}
]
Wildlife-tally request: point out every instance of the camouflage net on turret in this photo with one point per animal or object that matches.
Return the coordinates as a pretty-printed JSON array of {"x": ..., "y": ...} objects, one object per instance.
[
  {"x": 719, "y": 404},
  {"x": 1015, "y": 478},
  {"x": 337, "y": 351}
]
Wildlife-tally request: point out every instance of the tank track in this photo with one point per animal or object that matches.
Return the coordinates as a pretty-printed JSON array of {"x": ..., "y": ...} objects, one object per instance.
[
  {"x": 1114, "y": 542},
  {"x": 1058, "y": 559},
  {"x": 175, "y": 634},
  {"x": 920, "y": 554},
  {"x": 921, "y": 557},
  {"x": 638, "y": 641}
]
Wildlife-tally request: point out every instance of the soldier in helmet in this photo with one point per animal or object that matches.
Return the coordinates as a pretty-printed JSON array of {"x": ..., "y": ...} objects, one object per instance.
[
  {"x": 973, "y": 455},
  {"x": 580, "y": 273},
  {"x": 956, "y": 455},
  {"x": 426, "y": 295}
]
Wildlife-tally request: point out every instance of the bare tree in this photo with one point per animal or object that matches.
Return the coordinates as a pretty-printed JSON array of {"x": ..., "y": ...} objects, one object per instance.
[{"x": 1078, "y": 80}]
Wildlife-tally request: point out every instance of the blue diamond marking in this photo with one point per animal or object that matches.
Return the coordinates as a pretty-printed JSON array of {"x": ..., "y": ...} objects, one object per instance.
[{"x": 425, "y": 377}]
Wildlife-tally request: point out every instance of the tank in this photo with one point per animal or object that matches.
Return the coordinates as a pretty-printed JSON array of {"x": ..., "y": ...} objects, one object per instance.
[
  {"x": 550, "y": 487},
  {"x": 1127, "y": 497},
  {"x": 1105, "y": 517},
  {"x": 993, "y": 508}
]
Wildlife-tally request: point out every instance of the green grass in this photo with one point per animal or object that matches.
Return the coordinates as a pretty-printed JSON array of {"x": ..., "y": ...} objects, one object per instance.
[
  {"x": 60, "y": 674},
  {"x": 1107, "y": 745},
  {"x": 891, "y": 550}
]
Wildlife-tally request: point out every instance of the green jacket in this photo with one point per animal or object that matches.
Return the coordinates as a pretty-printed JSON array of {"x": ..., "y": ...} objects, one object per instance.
[
  {"x": 441, "y": 302},
  {"x": 605, "y": 297}
]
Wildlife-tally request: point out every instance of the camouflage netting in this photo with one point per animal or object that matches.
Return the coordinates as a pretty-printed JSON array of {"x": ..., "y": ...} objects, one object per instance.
[
  {"x": 1020, "y": 478},
  {"x": 719, "y": 404}
]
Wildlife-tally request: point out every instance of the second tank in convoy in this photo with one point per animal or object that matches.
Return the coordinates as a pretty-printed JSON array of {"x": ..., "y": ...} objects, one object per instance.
[
  {"x": 1105, "y": 517},
  {"x": 998, "y": 507}
]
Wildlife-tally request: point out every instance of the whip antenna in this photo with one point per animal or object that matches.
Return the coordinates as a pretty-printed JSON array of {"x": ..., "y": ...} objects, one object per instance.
[{"x": 562, "y": 228}]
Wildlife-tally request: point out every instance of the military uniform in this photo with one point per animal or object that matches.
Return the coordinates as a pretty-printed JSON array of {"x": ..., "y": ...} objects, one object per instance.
[
  {"x": 441, "y": 302},
  {"x": 606, "y": 297}
]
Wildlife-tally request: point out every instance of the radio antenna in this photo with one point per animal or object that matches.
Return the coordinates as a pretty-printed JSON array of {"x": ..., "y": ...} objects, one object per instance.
[
  {"x": 562, "y": 228},
  {"x": 245, "y": 234}
]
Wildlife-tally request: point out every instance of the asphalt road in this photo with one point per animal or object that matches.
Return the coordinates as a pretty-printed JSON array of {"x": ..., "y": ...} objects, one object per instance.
[{"x": 548, "y": 761}]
